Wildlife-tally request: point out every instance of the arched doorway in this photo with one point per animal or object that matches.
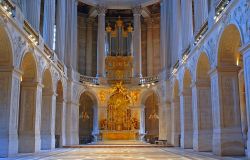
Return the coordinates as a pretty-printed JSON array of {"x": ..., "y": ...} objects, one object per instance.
[
  {"x": 60, "y": 117},
  {"x": 151, "y": 110},
  {"x": 202, "y": 107},
  {"x": 9, "y": 97},
  {"x": 186, "y": 112},
  {"x": 29, "y": 118},
  {"x": 87, "y": 118},
  {"x": 175, "y": 116},
  {"x": 227, "y": 135},
  {"x": 47, "y": 113}
]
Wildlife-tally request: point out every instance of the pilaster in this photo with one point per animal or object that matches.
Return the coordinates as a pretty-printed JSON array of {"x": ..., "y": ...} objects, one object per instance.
[{"x": 227, "y": 136}]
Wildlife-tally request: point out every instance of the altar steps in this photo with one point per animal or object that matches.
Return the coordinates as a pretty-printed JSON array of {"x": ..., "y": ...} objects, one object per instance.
[{"x": 118, "y": 144}]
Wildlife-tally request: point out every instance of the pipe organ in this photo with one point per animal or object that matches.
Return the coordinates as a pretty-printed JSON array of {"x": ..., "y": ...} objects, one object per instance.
[{"x": 118, "y": 48}]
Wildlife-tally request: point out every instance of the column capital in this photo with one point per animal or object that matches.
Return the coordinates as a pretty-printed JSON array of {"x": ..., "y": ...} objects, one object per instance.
[
  {"x": 101, "y": 10},
  {"x": 137, "y": 10}
]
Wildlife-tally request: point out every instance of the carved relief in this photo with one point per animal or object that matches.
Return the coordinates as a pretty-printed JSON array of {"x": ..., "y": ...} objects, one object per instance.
[{"x": 19, "y": 45}]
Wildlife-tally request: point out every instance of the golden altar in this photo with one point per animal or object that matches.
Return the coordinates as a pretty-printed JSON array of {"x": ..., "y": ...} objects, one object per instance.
[
  {"x": 119, "y": 135},
  {"x": 120, "y": 122}
]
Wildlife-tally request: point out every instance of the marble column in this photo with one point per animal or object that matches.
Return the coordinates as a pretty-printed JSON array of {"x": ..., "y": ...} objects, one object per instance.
[
  {"x": 202, "y": 116},
  {"x": 150, "y": 50},
  {"x": 137, "y": 41},
  {"x": 201, "y": 13},
  {"x": 33, "y": 8},
  {"x": 175, "y": 119},
  {"x": 48, "y": 120},
  {"x": 71, "y": 36},
  {"x": 176, "y": 31},
  {"x": 30, "y": 117},
  {"x": 74, "y": 35},
  {"x": 60, "y": 29},
  {"x": 9, "y": 112},
  {"x": 187, "y": 21},
  {"x": 49, "y": 22},
  {"x": 246, "y": 60},
  {"x": 227, "y": 135},
  {"x": 101, "y": 10},
  {"x": 89, "y": 46},
  {"x": 60, "y": 124},
  {"x": 186, "y": 120},
  {"x": 163, "y": 34}
]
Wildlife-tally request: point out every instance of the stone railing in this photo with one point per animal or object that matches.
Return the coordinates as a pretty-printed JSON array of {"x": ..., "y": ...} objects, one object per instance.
[
  {"x": 89, "y": 80},
  {"x": 36, "y": 39},
  {"x": 149, "y": 80},
  {"x": 201, "y": 33},
  {"x": 8, "y": 7},
  {"x": 220, "y": 7}
]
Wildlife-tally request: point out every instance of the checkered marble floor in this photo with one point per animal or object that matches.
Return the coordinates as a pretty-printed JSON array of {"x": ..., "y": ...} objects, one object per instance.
[{"x": 119, "y": 154}]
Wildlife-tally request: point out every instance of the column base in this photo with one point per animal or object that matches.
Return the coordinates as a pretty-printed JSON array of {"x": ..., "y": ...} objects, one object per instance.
[
  {"x": 9, "y": 145},
  {"x": 29, "y": 143},
  {"x": 175, "y": 140},
  {"x": 228, "y": 142},
  {"x": 187, "y": 140},
  {"x": 47, "y": 142},
  {"x": 202, "y": 141}
]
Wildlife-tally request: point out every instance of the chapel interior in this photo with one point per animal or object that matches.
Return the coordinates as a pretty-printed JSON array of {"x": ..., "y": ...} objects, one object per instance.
[{"x": 152, "y": 77}]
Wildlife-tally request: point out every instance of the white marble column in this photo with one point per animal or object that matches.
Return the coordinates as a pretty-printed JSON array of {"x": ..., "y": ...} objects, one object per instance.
[
  {"x": 74, "y": 35},
  {"x": 9, "y": 112},
  {"x": 150, "y": 50},
  {"x": 187, "y": 21},
  {"x": 186, "y": 120},
  {"x": 60, "y": 124},
  {"x": 101, "y": 10},
  {"x": 175, "y": 119},
  {"x": 227, "y": 135},
  {"x": 33, "y": 8},
  {"x": 48, "y": 120},
  {"x": 211, "y": 13},
  {"x": 202, "y": 116},
  {"x": 96, "y": 130},
  {"x": 163, "y": 34},
  {"x": 176, "y": 33},
  {"x": 89, "y": 46},
  {"x": 49, "y": 22},
  {"x": 71, "y": 36},
  {"x": 60, "y": 29},
  {"x": 246, "y": 59},
  {"x": 201, "y": 13},
  {"x": 29, "y": 139},
  {"x": 137, "y": 41}
]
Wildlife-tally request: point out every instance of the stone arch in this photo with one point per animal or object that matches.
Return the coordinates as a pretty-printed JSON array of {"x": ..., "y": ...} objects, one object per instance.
[
  {"x": 88, "y": 117},
  {"x": 202, "y": 106},
  {"x": 6, "y": 52},
  {"x": 47, "y": 112},
  {"x": 229, "y": 42},
  {"x": 226, "y": 77},
  {"x": 175, "y": 115},
  {"x": 9, "y": 95},
  {"x": 30, "y": 92},
  {"x": 150, "y": 105}
]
